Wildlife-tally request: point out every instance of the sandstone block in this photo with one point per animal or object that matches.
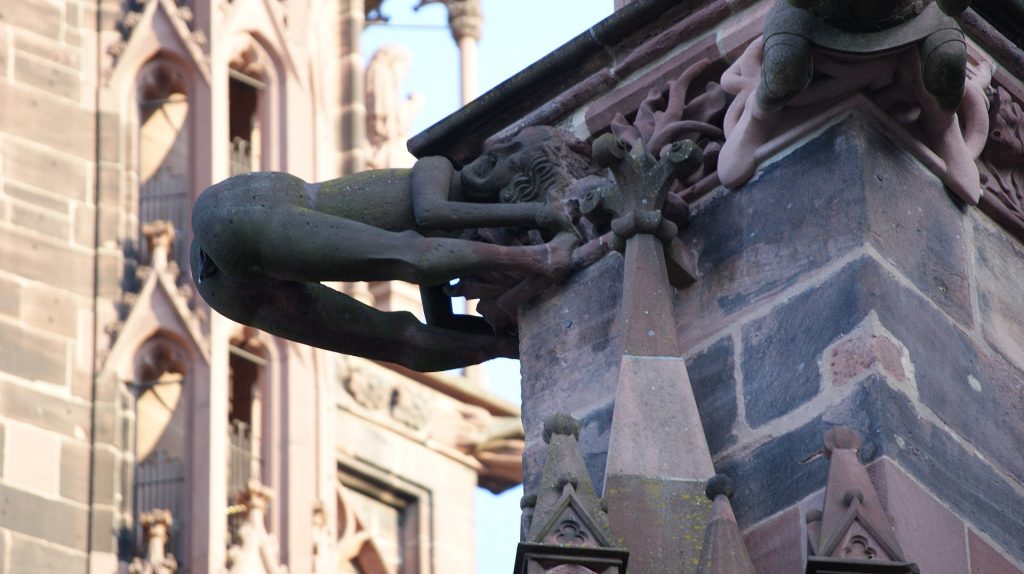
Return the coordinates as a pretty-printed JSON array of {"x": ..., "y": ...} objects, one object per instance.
[
  {"x": 39, "y": 73},
  {"x": 999, "y": 277},
  {"x": 43, "y": 17},
  {"x": 31, "y": 355},
  {"x": 55, "y": 225},
  {"x": 10, "y": 297},
  {"x": 74, "y": 471},
  {"x": 48, "y": 120},
  {"x": 71, "y": 269},
  {"x": 61, "y": 523},
  {"x": 931, "y": 535},
  {"x": 988, "y": 560},
  {"x": 712, "y": 375},
  {"x": 67, "y": 417},
  {"x": 32, "y": 459},
  {"x": 57, "y": 173},
  {"x": 34, "y": 556}
]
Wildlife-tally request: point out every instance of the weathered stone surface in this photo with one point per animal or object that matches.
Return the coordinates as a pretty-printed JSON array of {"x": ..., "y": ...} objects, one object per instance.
[
  {"x": 49, "y": 120},
  {"x": 570, "y": 358},
  {"x": 74, "y": 471},
  {"x": 107, "y": 464},
  {"x": 865, "y": 352},
  {"x": 40, "y": 221},
  {"x": 916, "y": 225},
  {"x": 773, "y": 477},
  {"x": 34, "y": 556},
  {"x": 777, "y": 545},
  {"x": 931, "y": 536},
  {"x": 39, "y": 73},
  {"x": 63, "y": 416},
  {"x": 845, "y": 189},
  {"x": 36, "y": 197},
  {"x": 712, "y": 375},
  {"x": 59, "y": 174},
  {"x": 10, "y": 297},
  {"x": 754, "y": 243},
  {"x": 32, "y": 356},
  {"x": 50, "y": 309},
  {"x": 32, "y": 459},
  {"x": 941, "y": 462},
  {"x": 20, "y": 254},
  {"x": 999, "y": 277},
  {"x": 54, "y": 52},
  {"x": 954, "y": 378},
  {"x": 678, "y": 512},
  {"x": 44, "y": 18},
  {"x": 781, "y": 350},
  {"x": 61, "y": 523},
  {"x": 105, "y": 529},
  {"x": 988, "y": 560}
]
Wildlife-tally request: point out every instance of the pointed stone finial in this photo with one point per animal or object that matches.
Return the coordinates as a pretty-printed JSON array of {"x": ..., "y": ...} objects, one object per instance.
[
  {"x": 724, "y": 551},
  {"x": 565, "y": 523},
  {"x": 852, "y": 528},
  {"x": 160, "y": 238}
]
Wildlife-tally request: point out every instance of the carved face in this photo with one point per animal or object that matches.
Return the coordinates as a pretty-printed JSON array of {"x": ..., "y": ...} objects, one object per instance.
[
  {"x": 526, "y": 167},
  {"x": 485, "y": 177}
]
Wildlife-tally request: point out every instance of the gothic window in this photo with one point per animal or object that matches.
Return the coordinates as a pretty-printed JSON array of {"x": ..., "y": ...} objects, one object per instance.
[
  {"x": 161, "y": 437},
  {"x": 164, "y": 162},
  {"x": 247, "y": 370},
  {"x": 378, "y": 526},
  {"x": 247, "y": 96}
]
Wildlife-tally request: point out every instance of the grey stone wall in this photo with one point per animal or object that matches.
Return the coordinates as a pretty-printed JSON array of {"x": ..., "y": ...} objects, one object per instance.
[{"x": 843, "y": 285}]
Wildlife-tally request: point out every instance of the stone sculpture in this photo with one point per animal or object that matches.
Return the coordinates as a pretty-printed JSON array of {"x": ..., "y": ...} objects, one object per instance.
[
  {"x": 818, "y": 51},
  {"x": 388, "y": 116},
  {"x": 264, "y": 242}
]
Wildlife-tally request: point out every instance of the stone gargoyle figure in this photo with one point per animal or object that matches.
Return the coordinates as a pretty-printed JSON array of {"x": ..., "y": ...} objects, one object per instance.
[
  {"x": 803, "y": 35},
  {"x": 264, "y": 242}
]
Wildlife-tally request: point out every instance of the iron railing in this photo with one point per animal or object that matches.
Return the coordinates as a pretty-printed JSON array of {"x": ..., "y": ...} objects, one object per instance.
[{"x": 160, "y": 483}]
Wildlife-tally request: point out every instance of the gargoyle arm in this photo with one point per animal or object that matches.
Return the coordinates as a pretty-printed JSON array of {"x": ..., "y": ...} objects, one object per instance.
[{"x": 438, "y": 202}]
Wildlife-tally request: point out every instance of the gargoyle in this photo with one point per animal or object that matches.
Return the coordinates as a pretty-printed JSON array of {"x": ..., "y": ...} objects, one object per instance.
[
  {"x": 834, "y": 35},
  {"x": 264, "y": 242}
]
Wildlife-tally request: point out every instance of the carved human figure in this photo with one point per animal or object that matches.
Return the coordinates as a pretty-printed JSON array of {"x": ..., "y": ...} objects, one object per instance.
[
  {"x": 803, "y": 34},
  {"x": 265, "y": 241},
  {"x": 388, "y": 115}
]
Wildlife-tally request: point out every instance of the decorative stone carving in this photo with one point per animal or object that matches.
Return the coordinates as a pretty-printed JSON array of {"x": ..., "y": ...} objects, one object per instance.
[
  {"x": 389, "y": 116},
  {"x": 565, "y": 528},
  {"x": 674, "y": 114},
  {"x": 909, "y": 57},
  {"x": 496, "y": 442},
  {"x": 1002, "y": 161},
  {"x": 263, "y": 265},
  {"x": 156, "y": 526},
  {"x": 852, "y": 533},
  {"x": 465, "y": 18},
  {"x": 258, "y": 552}
]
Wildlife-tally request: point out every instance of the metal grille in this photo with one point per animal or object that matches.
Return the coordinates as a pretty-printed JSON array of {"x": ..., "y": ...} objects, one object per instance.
[
  {"x": 164, "y": 198},
  {"x": 160, "y": 483},
  {"x": 240, "y": 461}
]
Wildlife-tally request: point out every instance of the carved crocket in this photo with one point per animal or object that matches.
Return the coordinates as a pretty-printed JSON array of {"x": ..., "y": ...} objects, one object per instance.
[{"x": 264, "y": 242}]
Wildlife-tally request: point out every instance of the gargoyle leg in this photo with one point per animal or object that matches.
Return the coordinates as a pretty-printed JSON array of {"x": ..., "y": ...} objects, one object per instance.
[{"x": 317, "y": 315}]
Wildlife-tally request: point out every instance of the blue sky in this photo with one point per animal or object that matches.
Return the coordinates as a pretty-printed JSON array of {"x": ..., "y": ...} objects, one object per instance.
[{"x": 516, "y": 34}]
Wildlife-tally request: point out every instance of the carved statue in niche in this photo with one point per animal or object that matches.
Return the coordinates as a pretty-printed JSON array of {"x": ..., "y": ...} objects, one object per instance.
[
  {"x": 389, "y": 116},
  {"x": 265, "y": 241},
  {"x": 909, "y": 54}
]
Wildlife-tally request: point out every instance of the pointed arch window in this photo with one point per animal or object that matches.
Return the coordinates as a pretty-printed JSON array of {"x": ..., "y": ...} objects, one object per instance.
[
  {"x": 247, "y": 94},
  {"x": 161, "y": 438},
  {"x": 165, "y": 147}
]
